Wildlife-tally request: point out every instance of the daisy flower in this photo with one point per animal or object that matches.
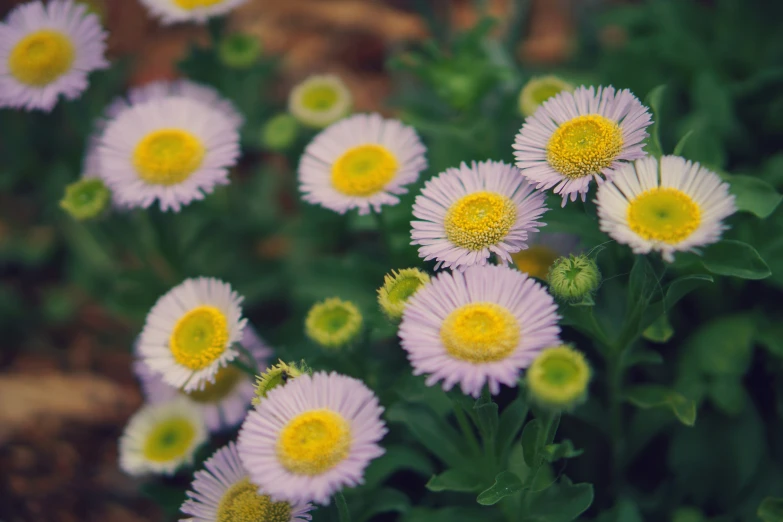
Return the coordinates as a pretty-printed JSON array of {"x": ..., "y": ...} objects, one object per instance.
[
  {"x": 168, "y": 142},
  {"x": 538, "y": 90},
  {"x": 190, "y": 333},
  {"x": 224, "y": 402},
  {"x": 575, "y": 137},
  {"x": 542, "y": 251},
  {"x": 672, "y": 206},
  {"x": 223, "y": 492},
  {"x": 481, "y": 326},
  {"x": 173, "y": 11},
  {"x": 362, "y": 162},
  {"x": 469, "y": 213},
  {"x": 320, "y": 100},
  {"x": 48, "y": 50},
  {"x": 160, "y": 438},
  {"x": 312, "y": 437}
]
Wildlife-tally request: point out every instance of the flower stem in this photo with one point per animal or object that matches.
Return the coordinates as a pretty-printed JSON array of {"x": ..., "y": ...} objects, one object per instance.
[
  {"x": 342, "y": 507},
  {"x": 467, "y": 431}
]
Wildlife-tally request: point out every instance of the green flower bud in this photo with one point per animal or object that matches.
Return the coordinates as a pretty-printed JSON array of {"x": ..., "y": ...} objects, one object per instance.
[
  {"x": 279, "y": 132},
  {"x": 558, "y": 378},
  {"x": 538, "y": 90},
  {"x": 574, "y": 279},
  {"x": 277, "y": 375},
  {"x": 239, "y": 51},
  {"x": 333, "y": 323},
  {"x": 86, "y": 198},
  {"x": 397, "y": 288}
]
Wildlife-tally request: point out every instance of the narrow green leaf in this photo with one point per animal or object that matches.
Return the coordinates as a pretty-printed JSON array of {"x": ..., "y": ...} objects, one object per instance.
[
  {"x": 562, "y": 503},
  {"x": 681, "y": 144},
  {"x": 511, "y": 421},
  {"x": 771, "y": 510},
  {"x": 753, "y": 195},
  {"x": 506, "y": 483},
  {"x": 530, "y": 441},
  {"x": 387, "y": 500},
  {"x": 735, "y": 258},
  {"x": 433, "y": 433},
  {"x": 660, "y": 331},
  {"x": 396, "y": 458},
  {"x": 640, "y": 356},
  {"x": 563, "y": 450},
  {"x": 654, "y": 396},
  {"x": 487, "y": 415},
  {"x": 728, "y": 394},
  {"x": 653, "y": 101},
  {"x": 343, "y": 512},
  {"x": 453, "y": 480}
]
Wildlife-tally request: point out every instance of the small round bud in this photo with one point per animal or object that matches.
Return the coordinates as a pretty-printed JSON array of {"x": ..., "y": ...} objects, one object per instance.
[
  {"x": 320, "y": 100},
  {"x": 538, "y": 90},
  {"x": 279, "y": 132},
  {"x": 333, "y": 323},
  {"x": 239, "y": 51},
  {"x": 558, "y": 378},
  {"x": 397, "y": 288},
  {"x": 574, "y": 278},
  {"x": 86, "y": 198},
  {"x": 277, "y": 375}
]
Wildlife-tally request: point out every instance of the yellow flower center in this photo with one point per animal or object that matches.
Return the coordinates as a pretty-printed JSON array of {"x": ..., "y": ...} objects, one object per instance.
[
  {"x": 664, "y": 214},
  {"x": 535, "y": 261},
  {"x": 41, "y": 57},
  {"x": 195, "y": 4},
  {"x": 584, "y": 145},
  {"x": 199, "y": 337},
  {"x": 364, "y": 170},
  {"x": 169, "y": 440},
  {"x": 242, "y": 503},
  {"x": 226, "y": 379},
  {"x": 168, "y": 156},
  {"x": 314, "y": 442},
  {"x": 479, "y": 220},
  {"x": 319, "y": 97},
  {"x": 480, "y": 333}
]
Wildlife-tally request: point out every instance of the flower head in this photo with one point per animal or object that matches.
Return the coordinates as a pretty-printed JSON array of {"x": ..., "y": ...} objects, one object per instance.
[
  {"x": 173, "y": 11},
  {"x": 239, "y": 50},
  {"x": 574, "y": 278},
  {"x": 333, "y": 322},
  {"x": 558, "y": 378},
  {"x": 47, "y": 50},
  {"x": 170, "y": 142},
  {"x": 467, "y": 214},
  {"x": 189, "y": 334},
  {"x": 397, "y": 289},
  {"x": 576, "y": 137},
  {"x": 312, "y": 437},
  {"x": 481, "y": 326},
  {"x": 160, "y": 438},
  {"x": 223, "y": 493},
  {"x": 320, "y": 101},
  {"x": 672, "y": 206},
  {"x": 538, "y": 90},
  {"x": 542, "y": 251},
  {"x": 278, "y": 375},
  {"x": 361, "y": 162},
  {"x": 279, "y": 132},
  {"x": 85, "y": 199}
]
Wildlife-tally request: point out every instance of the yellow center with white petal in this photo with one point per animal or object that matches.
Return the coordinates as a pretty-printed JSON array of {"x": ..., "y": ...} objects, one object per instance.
[
  {"x": 319, "y": 97},
  {"x": 663, "y": 214},
  {"x": 242, "y": 503},
  {"x": 479, "y": 220},
  {"x": 226, "y": 381},
  {"x": 314, "y": 442},
  {"x": 170, "y": 439},
  {"x": 480, "y": 333},
  {"x": 168, "y": 156},
  {"x": 200, "y": 337},
  {"x": 364, "y": 170},
  {"x": 41, "y": 57},
  {"x": 535, "y": 261},
  {"x": 584, "y": 145},
  {"x": 195, "y": 4}
]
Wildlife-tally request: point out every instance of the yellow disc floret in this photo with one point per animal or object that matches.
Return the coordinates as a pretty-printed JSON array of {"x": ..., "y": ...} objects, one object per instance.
[
  {"x": 480, "y": 333},
  {"x": 195, "y": 4},
  {"x": 168, "y": 156},
  {"x": 664, "y": 214},
  {"x": 200, "y": 337},
  {"x": 333, "y": 322},
  {"x": 41, "y": 57},
  {"x": 584, "y": 145},
  {"x": 169, "y": 440},
  {"x": 242, "y": 503},
  {"x": 479, "y": 220},
  {"x": 364, "y": 170},
  {"x": 535, "y": 261},
  {"x": 314, "y": 442},
  {"x": 226, "y": 380},
  {"x": 558, "y": 377}
]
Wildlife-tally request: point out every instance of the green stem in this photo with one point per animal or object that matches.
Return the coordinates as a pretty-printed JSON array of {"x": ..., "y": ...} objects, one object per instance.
[
  {"x": 249, "y": 365},
  {"x": 383, "y": 230},
  {"x": 614, "y": 368},
  {"x": 464, "y": 425},
  {"x": 342, "y": 507}
]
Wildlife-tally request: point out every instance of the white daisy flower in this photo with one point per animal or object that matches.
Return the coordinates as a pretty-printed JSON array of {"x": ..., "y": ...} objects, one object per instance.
[
  {"x": 171, "y": 148},
  {"x": 320, "y": 100},
  {"x": 173, "y": 11},
  {"x": 223, "y": 493},
  {"x": 48, "y": 50},
  {"x": 576, "y": 137},
  {"x": 160, "y": 438},
  {"x": 361, "y": 162},
  {"x": 674, "y": 206},
  {"x": 190, "y": 332},
  {"x": 471, "y": 212}
]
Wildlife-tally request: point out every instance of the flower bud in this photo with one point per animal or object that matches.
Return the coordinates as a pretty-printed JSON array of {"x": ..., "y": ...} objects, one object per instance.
[
  {"x": 574, "y": 279},
  {"x": 558, "y": 378},
  {"x": 397, "y": 288},
  {"x": 279, "y": 132},
  {"x": 239, "y": 51},
  {"x": 86, "y": 198},
  {"x": 277, "y": 375},
  {"x": 333, "y": 323},
  {"x": 538, "y": 90}
]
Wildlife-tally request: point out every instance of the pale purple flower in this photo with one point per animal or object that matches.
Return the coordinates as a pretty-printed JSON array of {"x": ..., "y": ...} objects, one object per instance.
[{"x": 174, "y": 11}]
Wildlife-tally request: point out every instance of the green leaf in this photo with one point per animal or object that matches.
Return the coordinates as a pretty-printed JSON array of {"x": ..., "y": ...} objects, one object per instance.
[
  {"x": 387, "y": 500},
  {"x": 771, "y": 510},
  {"x": 562, "y": 503},
  {"x": 660, "y": 331},
  {"x": 433, "y": 433},
  {"x": 653, "y": 101},
  {"x": 453, "y": 480},
  {"x": 396, "y": 458},
  {"x": 654, "y": 396},
  {"x": 724, "y": 346},
  {"x": 506, "y": 483},
  {"x": 487, "y": 415},
  {"x": 563, "y": 450},
  {"x": 639, "y": 356},
  {"x": 728, "y": 394},
  {"x": 753, "y": 195},
  {"x": 511, "y": 421},
  {"x": 681, "y": 144},
  {"x": 734, "y": 258},
  {"x": 642, "y": 285},
  {"x": 343, "y": 513},
  {"x": 530, "y": 441}
]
